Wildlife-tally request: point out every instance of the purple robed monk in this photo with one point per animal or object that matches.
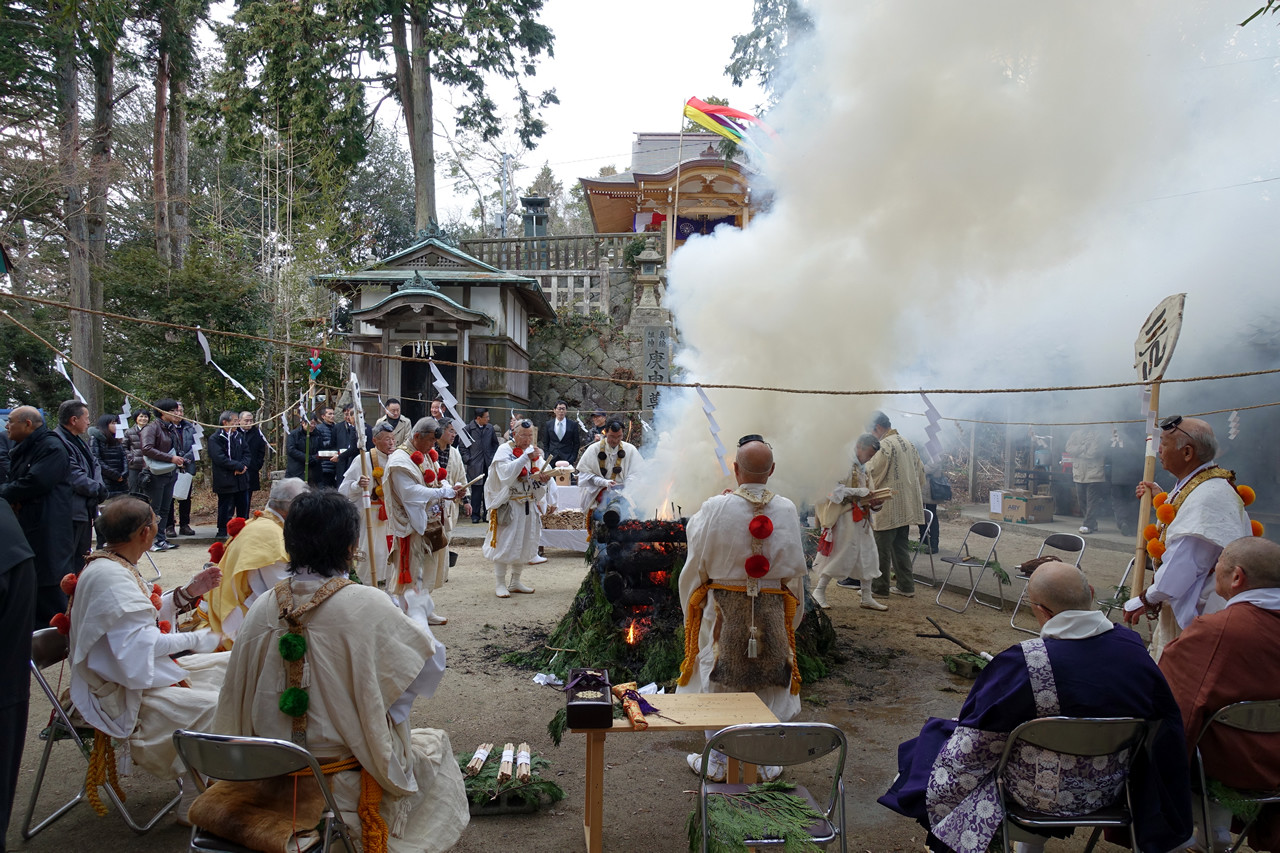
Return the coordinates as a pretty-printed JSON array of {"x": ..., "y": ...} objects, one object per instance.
[{"x": 1080, "y": 666}]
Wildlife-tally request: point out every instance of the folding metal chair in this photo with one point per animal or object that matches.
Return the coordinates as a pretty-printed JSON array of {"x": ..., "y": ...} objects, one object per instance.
[
  {"x": 986, "y": 530},
  {"x": 923, "y": 543},
  {"x": 1081, "y": 736},
  {"x": 783, "y": 744},
  {"x": 49, "y": 648},
  {"x": 1069, "y": 543},
  {"x": 247, "y": 759},
  {"x": 1260, "y": 717}
]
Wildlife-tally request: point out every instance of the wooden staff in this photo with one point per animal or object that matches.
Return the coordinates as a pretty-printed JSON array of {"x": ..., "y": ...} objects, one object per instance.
[
  {"x": 364, "y": 471},
  {"x": 1144, "y": 509}
]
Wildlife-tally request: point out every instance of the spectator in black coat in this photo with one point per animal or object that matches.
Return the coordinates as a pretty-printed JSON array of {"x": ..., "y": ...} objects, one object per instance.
[
  {"x": 561, "y": 437},
  {"x": 111, "y": 456},
  {"x": 478, "y": 457},
  {"x": 5, "y": 446},
  {"x": 325, "y": 434},
  {"x": 228, "y": 457},
  {"x": 346, "y": 439},
  {"x": 253, "y": 438},
  {"x": 40, "y": 494},
  {"x": 17, "y": 604},
  {"x": 133, "y": 449},
  {"x": 84, "y": 474},
  {"x": 302, "y": 448},
  {"x": 184, "y": 441}
]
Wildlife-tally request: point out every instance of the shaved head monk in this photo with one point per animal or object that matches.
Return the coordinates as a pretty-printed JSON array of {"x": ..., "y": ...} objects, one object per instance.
[
  {"x": 742, "y": 591},
  {"x": 1080, "y": 666}
]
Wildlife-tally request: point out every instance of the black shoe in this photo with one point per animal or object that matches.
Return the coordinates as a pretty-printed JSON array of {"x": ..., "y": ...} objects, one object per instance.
[
  {"x": 221, "y": 533},
  {"x": 851, "y": 583},
  {"x": 170, "y": 533},
  {"x": 186, "y": 530},
  {"x": 475, "y": 520}
]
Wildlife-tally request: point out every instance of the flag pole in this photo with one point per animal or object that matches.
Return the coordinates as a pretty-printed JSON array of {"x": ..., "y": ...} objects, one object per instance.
[
  {"x": 364, "y": 471},
  {"x": 675, "y": 207}
]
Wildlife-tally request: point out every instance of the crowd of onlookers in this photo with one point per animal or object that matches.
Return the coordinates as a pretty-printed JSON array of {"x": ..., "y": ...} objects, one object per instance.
[{"x": 55, "y": 476}]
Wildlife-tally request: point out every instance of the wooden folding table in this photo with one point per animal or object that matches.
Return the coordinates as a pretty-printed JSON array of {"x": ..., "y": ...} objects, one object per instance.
[{"x": 696, "y": 712}]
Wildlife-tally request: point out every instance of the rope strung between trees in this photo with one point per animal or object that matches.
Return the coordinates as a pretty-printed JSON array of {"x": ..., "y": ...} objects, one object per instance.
[
  {"x": 1086, "y": 423},
  {"x": 149, "y": 405},
  {"x": 641, "y": 382}
]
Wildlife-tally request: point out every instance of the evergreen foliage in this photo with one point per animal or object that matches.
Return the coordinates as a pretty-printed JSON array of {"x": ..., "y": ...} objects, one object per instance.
[
  {"x": 483, "y": 787},
  {"x": 765, "y": 810},
  {"x": 766, "y": 53}
]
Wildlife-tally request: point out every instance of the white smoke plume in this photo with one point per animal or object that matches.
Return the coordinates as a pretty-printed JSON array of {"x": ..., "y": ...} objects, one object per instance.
[{"x": 964, "y": 197}]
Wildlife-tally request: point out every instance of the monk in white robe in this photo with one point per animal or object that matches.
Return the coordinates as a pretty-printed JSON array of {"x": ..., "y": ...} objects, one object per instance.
[
  {"x": 847, "y": 548},
  {"x": 603, "y": 469},
  {"x": 367, "y": 662},
  {"x": 252, "y": 562},
  {"x": 517, "y": 492},
  {"x": 354, "y": 486},
  {"x": 123, "y": 681},
  {"x": 448, "y": 460},
  {"x": 1207, "y": 515},
  {"x": 743, "y": 546},
  {"x": 411, "y": 504}
]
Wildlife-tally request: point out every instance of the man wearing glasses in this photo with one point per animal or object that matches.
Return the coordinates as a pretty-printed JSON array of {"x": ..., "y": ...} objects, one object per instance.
[{"x": 1207, "y": 515}]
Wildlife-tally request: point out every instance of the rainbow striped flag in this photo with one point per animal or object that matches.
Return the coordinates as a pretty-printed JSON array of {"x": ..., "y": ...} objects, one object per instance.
[{"x": 726, "y": 121}]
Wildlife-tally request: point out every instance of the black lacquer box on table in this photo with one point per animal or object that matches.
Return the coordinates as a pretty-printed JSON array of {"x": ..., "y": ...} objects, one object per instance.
[{"x": 588, "y": 699}]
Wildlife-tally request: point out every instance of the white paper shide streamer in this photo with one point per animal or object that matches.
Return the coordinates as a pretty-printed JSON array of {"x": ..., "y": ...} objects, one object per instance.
[
  {"x": 208, "y": 359},
  {"x": 707, "y": 409},
  {"x": 450, "y": 403},
  {"x": 60, "y": 365}
]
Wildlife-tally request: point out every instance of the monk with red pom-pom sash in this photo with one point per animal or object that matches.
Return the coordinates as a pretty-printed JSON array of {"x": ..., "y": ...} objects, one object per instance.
[
  {"x": 1195, "y": 520},
  {"x": 742, "y": 589},
  {"x": 517, "y": 491},
  {"x": 412, "y": 488}
]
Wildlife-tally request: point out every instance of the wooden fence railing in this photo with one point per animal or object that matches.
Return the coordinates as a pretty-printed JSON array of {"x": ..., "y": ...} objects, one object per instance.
[{"x": 573, "y": 252}]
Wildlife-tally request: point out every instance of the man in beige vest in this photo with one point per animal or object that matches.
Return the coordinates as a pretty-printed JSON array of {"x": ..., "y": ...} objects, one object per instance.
[{"x": 896, "y": 466}]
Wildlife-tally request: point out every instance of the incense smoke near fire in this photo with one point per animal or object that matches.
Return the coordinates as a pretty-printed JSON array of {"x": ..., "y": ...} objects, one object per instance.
[{"x": 982, "y": 195}]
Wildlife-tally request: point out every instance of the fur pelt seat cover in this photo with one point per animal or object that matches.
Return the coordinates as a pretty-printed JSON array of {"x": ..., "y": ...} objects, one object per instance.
[{"x": 261, "y": 815}]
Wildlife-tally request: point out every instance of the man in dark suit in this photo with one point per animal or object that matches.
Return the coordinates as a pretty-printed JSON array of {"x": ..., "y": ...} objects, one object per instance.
[
  {"x": 228, "y": 458},
  {"x": 478, "y": 457},
  {"x": 346, "y": 440},
  {"x": 39, "y": 490},
  {"x": 303, "y": 447},
  {"x": 256, "y": 455},
  {"x": 561, "y": 437}
]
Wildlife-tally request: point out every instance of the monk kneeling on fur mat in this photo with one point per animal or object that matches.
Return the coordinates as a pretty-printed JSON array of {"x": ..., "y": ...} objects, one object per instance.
[
  {"x": 335, "y": 666},
  {"x": 742, "y": 591}
]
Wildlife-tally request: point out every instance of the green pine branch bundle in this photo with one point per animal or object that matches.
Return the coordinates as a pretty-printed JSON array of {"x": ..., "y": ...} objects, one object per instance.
[
  {"x": 483, "y": 787},
  {"x": 766, "y": 810}
]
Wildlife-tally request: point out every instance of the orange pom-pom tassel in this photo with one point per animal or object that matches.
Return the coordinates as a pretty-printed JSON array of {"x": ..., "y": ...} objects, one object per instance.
[
  {"x": 1150, "y": 532},
  {"x": 68, "y": 584},
  {"x": 1246, "y": 494},
  {"x": 1159, "y": 499},
  {"x": 156, "y": 590},
  {"x": 62, "y": 622},
  {"x": 1156, "y": 549},
  {"x": 1257, "y": 528},
  {"x": 155, "y": 601},
  {"x": 1166, "y": 513}
]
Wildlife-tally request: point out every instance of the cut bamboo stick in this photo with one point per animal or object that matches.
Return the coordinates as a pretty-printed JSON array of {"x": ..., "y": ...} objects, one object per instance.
[
  {"x": 478, "y": 759},
  {"x": 508, "y": 759},
  {"x": 524, "y": 764}
]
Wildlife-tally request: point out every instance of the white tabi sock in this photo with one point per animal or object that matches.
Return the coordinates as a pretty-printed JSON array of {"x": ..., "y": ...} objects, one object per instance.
[
  {"x": 823, "y": 583},
  {"x": 516, "y": 585},
  {"x": 500, "y": 574}
]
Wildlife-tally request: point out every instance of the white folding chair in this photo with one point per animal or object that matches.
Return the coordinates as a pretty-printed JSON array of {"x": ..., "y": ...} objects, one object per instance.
[
  {"x": 248, "y": 759},
  {"x": 1069, "y": 543},
  {"x": 1258, "y": 717},
  {"x": 985, "y": 530},
  {"x": 49, "y": 648},
  {"x": 1081, "y": 736},
  {"x": 783, "y": 744},
  {"x": 922, "y": 545}
]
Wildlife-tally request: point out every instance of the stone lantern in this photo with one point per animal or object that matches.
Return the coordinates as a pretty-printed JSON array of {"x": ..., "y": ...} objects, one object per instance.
[{"x": 648, "y": 275}]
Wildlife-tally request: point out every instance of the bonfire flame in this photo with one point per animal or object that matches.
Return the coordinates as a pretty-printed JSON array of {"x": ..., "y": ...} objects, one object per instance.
[
  {"x": 666, "y": 509},
  {"x": 633, "y": 634}
]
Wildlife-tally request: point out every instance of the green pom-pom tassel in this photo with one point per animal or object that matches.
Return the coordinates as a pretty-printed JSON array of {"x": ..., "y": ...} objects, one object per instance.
[
  {"x": 294, "y": 702},
  {"x": 293, "y": 647}
]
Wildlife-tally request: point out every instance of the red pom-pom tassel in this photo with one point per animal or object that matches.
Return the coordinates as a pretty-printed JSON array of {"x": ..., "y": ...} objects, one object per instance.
[
  {"x": 429, "y": 475},
  {"x": 216, "y": 551},
  {"x": 441, "y": 474},
  {"x": 434, "y": 454},
  {"x": 62, "y": 622},
  {"x": 757, "y": 566},
  {"x": 382, "y": 513},
  {"x": 518, "y": 452},
  {"x": 155, "y": 601},
  {"x": 524, "y": 472},
  {"x": 164, "y": 626},
  {"x": 417, "y": 457},
  {"x": 761, "y": 527},
  {"x": 68, "y": 584},
  {"x": 234, "y": 526}
]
